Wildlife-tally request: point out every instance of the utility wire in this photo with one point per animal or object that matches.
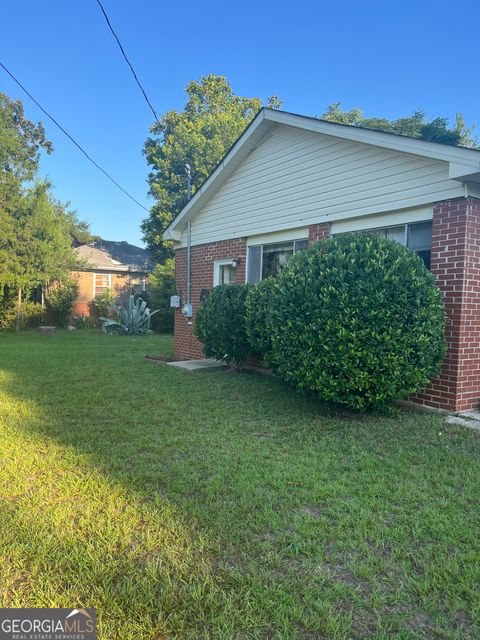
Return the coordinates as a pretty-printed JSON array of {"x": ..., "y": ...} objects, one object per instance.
[
  {"x": 71, "y": 138},
  {"x": 128, "y": 61}
]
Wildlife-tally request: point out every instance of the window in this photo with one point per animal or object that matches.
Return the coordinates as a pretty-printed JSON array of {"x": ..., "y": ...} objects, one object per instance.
[
  {"x": 102, "y": 282},
  {"x": 416, "y": 236},
  {"x": 266, "y": 260},
  {"x": 225, "y": 272}
]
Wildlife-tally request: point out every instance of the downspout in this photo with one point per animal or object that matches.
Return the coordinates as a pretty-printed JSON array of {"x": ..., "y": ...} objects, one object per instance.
[
  {"x": 187, "y": 309},
  {"x": 189, "y": 260}
]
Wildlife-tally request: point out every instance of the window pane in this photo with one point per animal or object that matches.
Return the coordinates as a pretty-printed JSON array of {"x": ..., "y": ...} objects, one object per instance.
[
  {"x": 228, "y": 274},
  {"x": 397, "y": 234},
  {"x": 275, "y": 256},
  {"x": 420, "y": 236},
  {"x": 254, "y": 266},
  {"x": 301, "y": 245},
  {"x": 425, "y": 256}
]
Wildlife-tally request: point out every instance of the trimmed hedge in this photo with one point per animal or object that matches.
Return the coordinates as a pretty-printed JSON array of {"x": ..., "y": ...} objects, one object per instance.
[
  {"x": 220, "y": 324},
  {"x": 258, "y": 317},
  {"x": 357, "y": 319}
]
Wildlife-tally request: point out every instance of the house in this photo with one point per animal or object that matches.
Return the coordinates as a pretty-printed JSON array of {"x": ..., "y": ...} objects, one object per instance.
[
  {"x": 290, "y": 180},
  {"x": 109, "y": 266}
]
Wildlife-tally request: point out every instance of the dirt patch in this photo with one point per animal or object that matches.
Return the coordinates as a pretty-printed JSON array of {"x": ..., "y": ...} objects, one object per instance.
[
  {"x": 312, "y": 512},
  {"x": 421, "y": 622}
]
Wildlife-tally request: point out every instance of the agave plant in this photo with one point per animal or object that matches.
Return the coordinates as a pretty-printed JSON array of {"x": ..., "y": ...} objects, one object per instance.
[{"x": 133, "y": 319}]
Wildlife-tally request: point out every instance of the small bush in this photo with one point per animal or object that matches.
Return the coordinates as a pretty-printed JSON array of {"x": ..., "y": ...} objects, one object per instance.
[
  {"x": 220, "y": 324},
  {"x": 258, "y": 317},
  {"x": 102, "y": 303},
  {"x": 8, "y": 312},
  {"x": 31, "y": 314},
  {"x": 358, "y": 319},
  {"x": 60, "y": 299}
]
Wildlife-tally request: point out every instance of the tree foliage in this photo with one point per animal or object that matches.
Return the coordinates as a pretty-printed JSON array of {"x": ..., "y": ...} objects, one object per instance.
[
  {"x": 200, "y": 135},
  {"x": 161, "y": 287},
  {"x": 36, "y": 231},
  {"x": 417, "y": 125}
]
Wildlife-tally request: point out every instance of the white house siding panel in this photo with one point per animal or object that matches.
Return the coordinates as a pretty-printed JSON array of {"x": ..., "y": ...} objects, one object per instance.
[{"x": 294, "y": 178}]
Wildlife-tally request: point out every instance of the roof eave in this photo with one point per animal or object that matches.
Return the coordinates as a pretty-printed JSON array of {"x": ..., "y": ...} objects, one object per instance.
[{"x": 464, "y": 164}]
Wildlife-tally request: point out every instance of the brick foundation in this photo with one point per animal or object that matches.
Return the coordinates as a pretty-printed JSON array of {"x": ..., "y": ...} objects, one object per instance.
[{"x": 203, "y": 257}]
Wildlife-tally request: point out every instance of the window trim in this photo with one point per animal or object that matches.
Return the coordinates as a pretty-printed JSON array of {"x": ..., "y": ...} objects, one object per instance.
[
  {"x": 103, "y": 275},
  {"x": 216, "y": 269}
]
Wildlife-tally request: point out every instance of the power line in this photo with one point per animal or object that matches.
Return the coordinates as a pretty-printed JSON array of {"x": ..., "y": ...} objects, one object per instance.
[
  {"x": 71, "y": 138},
  {"x": 128, "y": 61}
]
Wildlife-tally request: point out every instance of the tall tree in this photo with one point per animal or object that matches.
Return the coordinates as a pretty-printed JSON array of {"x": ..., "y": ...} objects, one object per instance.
[
  {"x": 417, "y": 125},
  {"x": 41, "y": 250},
  {"x": 36, "y": 231},
  {"x": 199, "y": 136}
]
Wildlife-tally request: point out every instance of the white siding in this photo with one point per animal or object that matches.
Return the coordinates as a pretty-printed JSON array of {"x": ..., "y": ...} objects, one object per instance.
[{"x": 295, "y": 178}]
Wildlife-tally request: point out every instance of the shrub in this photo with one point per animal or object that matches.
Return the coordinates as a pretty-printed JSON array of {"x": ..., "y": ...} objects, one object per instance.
[
  {"x": 8, "y": 312},
  {"x": 220, "y": 324},
  {"x": 258, "y": 317},
  {"x": 60, "y": 299},
  {"x": 31, "y": 314},
  {"x": 103, "y": 303},
  {"x": 358, "y": 319}
]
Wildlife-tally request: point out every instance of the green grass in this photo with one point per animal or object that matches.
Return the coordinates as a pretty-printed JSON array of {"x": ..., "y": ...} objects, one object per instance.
[{"x": 220, "y": 505}]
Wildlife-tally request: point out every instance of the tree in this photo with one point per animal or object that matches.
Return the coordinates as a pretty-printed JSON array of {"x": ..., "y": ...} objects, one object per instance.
[
  {"x": 35, "y": 230},
  {"x": 42, "y": 250},
  {"x": 159, "y": 291},
  {"x": 417, "y": 125},
  {"x": 200, "y": 135}
]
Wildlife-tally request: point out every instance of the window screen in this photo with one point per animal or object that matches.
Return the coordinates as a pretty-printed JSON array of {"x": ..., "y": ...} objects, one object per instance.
[
  {"x": 420, "y": 240},
  {"x": 102, "y": 283},
  {"x": 254, "y": 264}
]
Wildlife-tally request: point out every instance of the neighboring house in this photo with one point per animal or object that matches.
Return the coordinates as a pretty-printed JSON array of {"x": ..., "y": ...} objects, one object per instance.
[
  {"x": 290, "y": 180},
  {"x": 110, "y": 266}
]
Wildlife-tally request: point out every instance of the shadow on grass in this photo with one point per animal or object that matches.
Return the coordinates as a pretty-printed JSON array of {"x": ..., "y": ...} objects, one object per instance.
[{"x": 221, "y": 505}]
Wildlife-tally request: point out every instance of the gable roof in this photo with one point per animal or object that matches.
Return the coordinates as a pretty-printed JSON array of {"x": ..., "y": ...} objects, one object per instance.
[
  {"x": 464, "y": 163},
  {"x": 110, "y": 255}
]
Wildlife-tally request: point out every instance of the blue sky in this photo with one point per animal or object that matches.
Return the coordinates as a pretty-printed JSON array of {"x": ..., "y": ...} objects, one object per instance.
[{"x": 388, "y": 58}]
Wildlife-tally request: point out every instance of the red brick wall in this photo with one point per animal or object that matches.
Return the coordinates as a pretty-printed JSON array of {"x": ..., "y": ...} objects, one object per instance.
[
  {"x": 203, "y": 257},
  {"x": 455, "y": 263},
  {"x": 318, "y": 231}
]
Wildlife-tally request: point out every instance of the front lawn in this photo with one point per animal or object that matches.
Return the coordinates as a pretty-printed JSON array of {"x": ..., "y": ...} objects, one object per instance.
[{"x": 219, "y": 505}]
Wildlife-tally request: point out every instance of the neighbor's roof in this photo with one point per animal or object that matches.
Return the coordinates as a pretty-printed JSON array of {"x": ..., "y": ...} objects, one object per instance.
[
  {"x": 110, "y": 255},
  {"x": 464, "y": 164}
]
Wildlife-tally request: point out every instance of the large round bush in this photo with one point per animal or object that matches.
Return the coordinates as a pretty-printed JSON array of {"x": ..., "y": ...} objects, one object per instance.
[
  {"x": 257, "y": 317},
  {"x": 358, "y": 319},
  {"x": 220, "y": 324}
]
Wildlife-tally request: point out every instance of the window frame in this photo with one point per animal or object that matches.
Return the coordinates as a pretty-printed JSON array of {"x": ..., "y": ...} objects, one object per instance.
[
  {"x": 407, "y": 230},
  {"x": 224, "y": 262},
  {"x": 103, "y": 275},
  {"x": 267, "y": 244}
]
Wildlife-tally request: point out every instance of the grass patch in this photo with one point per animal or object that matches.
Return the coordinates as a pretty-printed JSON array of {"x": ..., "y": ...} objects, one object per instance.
[{"x": 220, "y": 505}]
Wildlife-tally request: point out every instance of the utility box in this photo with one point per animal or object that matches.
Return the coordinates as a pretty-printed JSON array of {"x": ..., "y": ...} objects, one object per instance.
[
  {"x": 187, "y": 310},
  {"x": 175, "y": 302}
]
